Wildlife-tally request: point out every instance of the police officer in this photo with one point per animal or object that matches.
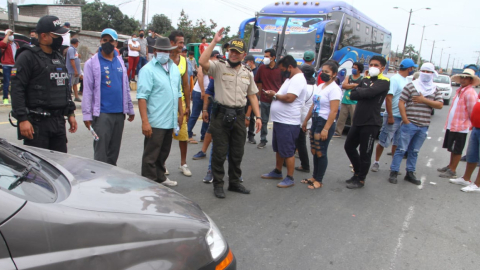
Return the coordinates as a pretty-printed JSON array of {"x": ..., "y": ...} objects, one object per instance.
[
  {"x": 233, "y": 84},
  {"x": 41, "y": 96}
]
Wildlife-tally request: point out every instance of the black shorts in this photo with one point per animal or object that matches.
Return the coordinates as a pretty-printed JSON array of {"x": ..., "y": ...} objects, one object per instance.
[{"x": 454, "y": 142}]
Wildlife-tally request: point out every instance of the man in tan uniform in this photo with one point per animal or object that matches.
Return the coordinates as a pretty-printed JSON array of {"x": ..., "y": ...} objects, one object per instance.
[{"x": 233, "y": 85}]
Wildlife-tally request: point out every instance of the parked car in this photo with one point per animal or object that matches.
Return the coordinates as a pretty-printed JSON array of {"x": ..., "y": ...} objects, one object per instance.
[
  {"x": 60, "y": 211},
  {"x": 444, "y": 85}
]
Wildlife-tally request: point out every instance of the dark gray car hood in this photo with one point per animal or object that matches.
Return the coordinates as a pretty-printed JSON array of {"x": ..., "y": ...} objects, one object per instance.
[{"x": 98, "y": 186}]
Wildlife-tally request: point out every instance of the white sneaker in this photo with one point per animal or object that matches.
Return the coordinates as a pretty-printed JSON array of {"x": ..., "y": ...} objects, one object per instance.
[
  {"x": 471, "y": 188},
  {"x": 169, "y": 183},
  {"x": 460, "y": 181},
  {"x": 185, "y": 170},
  {"x": 166, "y": 171}
]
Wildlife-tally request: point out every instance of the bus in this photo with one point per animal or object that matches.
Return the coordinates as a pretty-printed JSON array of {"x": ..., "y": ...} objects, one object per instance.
[{"x": 332, "y": 29}]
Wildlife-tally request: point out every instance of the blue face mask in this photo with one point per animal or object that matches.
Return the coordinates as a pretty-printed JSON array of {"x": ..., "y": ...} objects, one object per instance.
[
  {"x": 162, "y": 57},
  {"x": 411, "y": 72},
  {"x": 354, "y": 71},
  {"x": 134, "y": 39}
]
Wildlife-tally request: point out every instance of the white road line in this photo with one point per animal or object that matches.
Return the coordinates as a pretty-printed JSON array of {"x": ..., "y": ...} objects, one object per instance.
[
  {"x": 434, "y": 149},
  {"x": 439, "y": 139},
  {"x": 422, "y": 179},
  {"x": 405, "y": 226},
  {"x": 428, "y": 138},
  {"x": 429, "y": 163}
]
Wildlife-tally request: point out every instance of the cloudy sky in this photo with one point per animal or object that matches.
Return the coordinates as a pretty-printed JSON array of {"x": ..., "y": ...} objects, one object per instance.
[{"x": 457, "y": 20}]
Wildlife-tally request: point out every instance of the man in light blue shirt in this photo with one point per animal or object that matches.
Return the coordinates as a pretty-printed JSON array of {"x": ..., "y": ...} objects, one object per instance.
[
  {"x": 159, "y": 95},
  {"x": 392, "y": 120}
]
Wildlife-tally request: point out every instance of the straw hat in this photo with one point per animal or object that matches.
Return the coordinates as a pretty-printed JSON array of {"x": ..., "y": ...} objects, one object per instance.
[{"x": 468, "y": 72}]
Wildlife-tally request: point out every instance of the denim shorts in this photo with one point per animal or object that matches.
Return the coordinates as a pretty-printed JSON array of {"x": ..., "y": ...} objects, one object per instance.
[
  {"x": 473, "y": 150},
  {"x": 283, "y": 139},
  {"x": 389, "y": 133}
]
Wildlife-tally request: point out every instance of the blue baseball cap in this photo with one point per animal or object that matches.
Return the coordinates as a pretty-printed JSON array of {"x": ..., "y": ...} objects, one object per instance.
[
  {"x": 110, "y": 32},
  {"x": 407, "y": 63}
]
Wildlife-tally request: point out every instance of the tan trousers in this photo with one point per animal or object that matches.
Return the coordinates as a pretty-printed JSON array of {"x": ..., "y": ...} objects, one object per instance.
[{"x": 345, "y": 110}]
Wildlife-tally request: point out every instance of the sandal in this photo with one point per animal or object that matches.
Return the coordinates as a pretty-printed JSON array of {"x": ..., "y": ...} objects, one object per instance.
[
  {"x": 312, "y": 185},
  {"x": 192, "y": 141},
  {"x": 307, "y": 181}
]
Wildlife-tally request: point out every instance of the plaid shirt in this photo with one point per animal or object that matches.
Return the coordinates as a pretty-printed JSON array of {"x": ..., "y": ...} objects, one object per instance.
[{"x": 461, "y": 117}]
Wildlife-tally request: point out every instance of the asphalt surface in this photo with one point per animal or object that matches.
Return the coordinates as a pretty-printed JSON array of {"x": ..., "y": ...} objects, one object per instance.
[{"x": 382, "y": 226}]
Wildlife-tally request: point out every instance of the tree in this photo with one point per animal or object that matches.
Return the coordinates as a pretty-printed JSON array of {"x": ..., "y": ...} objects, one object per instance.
[
  {"x": 97, "y": 16},
  {"x": 161, "y": 24}
]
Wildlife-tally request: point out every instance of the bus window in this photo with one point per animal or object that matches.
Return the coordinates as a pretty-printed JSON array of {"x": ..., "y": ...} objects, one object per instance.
[{"x": 269, "y": 31}]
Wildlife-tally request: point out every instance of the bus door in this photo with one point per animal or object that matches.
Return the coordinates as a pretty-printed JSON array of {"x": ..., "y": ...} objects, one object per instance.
[{"x": 324, "y": 43}]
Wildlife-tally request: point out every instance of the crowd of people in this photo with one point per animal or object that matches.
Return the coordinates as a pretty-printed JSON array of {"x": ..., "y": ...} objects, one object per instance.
[{"x": 236, "y": 97}]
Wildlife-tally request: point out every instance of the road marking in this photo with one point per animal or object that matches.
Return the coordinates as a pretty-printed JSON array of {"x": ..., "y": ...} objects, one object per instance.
[
  {"x": 428, "y": 138},
  {"x": 434, "y": 149},
  {"x": 422, "y": 179},
  {"x": 439, "y": 139},
  {"x": 3, "y": 123},
  {"x": 429, "y": 163},
  {"x": 405, "y": 226}
]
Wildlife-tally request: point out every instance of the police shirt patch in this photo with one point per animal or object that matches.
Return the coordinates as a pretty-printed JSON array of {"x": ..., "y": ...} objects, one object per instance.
[
  {"x": 56, "y": 61},
  {"x": 13, "y": 72}
]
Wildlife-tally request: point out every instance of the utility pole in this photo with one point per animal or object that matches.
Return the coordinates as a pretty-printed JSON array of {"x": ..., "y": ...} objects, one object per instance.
[
  {"x": 441, "y": 54},
  {"x": 478, "y": 58},
  {"x": 12, "y": 14},
  {"x": 433, "y": 47},
  {"x": 144, "y": 11},
  {"x": 406, "y": 35},
  {"x": 448, "y": 60},
  {"x": 420, "y": 50}
]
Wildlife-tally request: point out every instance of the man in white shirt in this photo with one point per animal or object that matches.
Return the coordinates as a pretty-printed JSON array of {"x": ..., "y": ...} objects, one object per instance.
[{"x": 285, "y": 113}]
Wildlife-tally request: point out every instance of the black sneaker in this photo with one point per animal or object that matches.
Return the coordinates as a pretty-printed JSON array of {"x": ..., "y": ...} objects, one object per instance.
[
  {"x": 393, "y": 177},
  {"x": 351, "y": 180},
  {"x": 252, "y": 140},
  {"x": 355, "y": 184},
  {"x": 219, "y": 193},
  {"x": 238, "y": 188},
  {"x": 410, "y": 177}
]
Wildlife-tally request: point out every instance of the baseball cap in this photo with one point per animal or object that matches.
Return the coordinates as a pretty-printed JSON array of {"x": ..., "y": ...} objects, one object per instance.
[
  {"x": 51, "y": 24},
  {"x": 215, "y": 52},
  {"x": 110, "y": 32},
  {"x": 407, "y": 63},
  {"x": 67, "y": 24},
  {"x": 237, "y": 44},
  {"x": 309, "y": 56},
  {"x": 249, "y": 58}
]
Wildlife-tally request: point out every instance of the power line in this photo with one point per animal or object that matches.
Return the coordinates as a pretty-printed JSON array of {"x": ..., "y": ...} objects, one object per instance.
[{"x": 235, "y": 7}]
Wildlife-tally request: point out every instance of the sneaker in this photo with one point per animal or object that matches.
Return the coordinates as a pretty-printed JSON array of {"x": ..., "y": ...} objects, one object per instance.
[
  {"x": 412, "y": 178},
  {"x": 393, "y": 177},
  {"x": 5, "y": 101},
  {"x": 352, "y": 179},
  {"x": 185, "y": 170},
  {"x": 286, "y": 183},
  {"x": 252, "y": 140},
  {"x": 355, "y": 184},
  {"x": 301, "y": 169},
  {"x": 261, "y": 145},
  {"x": 351, "y": 166},
  {"x": 471, "y": 188},
  {"x": 199, "y": 155},
  {"x": 272, "y": 175},
  {"x": 208, "y": 178},
  {"x": 448, "y": 174},
  {"x": 336, "y": 135},
  {"x": 444, "y": 169},
  {"x": 297, "y": 155},
  {"x": 169, "y": 183},
  {"x": 460, "y": 181},
  {"x": 77, "y": 100},
  {"x": 166, "y": 171},
  {"x": 464, "y": 158},
  {"x": 375, "y": 167}
]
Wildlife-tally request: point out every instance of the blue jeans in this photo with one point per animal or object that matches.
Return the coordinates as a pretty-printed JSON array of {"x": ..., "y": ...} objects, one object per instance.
[
  {"x": 320, "y": 158},
  {"x": 7, "y": 71},
  {"x": 265, "y": 113},
  {"x": 197, "y": 107},
  {"x": 473, "y": 150},
  {"x": 142, "y": 61},
  {"x": 411, "y": 140},
  {"x": 389, "y": 133}
]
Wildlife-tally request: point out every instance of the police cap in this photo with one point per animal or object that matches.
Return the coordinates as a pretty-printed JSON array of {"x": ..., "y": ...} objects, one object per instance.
[{"x": 237, "y": 44}]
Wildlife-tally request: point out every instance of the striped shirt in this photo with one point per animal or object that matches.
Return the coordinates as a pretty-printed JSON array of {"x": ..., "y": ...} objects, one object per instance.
[{"x": 420, "y": 113}]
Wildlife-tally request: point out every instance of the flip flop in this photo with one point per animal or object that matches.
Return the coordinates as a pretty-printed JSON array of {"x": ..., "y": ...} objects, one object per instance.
[
  {"x": 312, "y": 185},
  {"x": 192, "y": 141},
  {"x": 306, "y": 181}
]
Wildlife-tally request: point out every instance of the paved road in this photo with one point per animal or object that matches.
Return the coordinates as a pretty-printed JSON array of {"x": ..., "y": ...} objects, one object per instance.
[{"x": 382, "y": 226}]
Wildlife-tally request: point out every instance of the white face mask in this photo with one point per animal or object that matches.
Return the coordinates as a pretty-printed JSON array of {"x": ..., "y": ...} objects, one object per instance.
[
  {"x": 374, "y": 71},
  {"x": 226, "y": 54},
  {"x": 426, "y": 77},
  {"x": 149, "y": 34},
  {"x": 266, "y": 61},
  {"x": 10, "y": 38},
  {"x": 162, "y": 57}
]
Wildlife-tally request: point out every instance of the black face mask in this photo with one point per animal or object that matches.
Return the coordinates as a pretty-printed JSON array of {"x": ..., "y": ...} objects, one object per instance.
[
  {"x": 56, "y": 43},
  {"x": 286, "y": 74},
  {"x": 34, "y": 41},
  {"x": 325, "y": 77},
  {"x": 142, "y": 35},
  {"x": 107, "y": 48},
  {"x": 232, "y": 64}
]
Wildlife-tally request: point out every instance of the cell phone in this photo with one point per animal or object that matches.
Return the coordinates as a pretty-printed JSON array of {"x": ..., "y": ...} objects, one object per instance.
[{"x": 264, "y": 91}]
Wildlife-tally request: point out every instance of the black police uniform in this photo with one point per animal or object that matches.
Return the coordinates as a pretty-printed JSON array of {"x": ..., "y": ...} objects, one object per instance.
[{"x": 41, "y": 95}]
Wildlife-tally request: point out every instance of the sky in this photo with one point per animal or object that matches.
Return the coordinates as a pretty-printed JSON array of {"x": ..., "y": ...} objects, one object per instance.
[{"x": 456, "y": 20}]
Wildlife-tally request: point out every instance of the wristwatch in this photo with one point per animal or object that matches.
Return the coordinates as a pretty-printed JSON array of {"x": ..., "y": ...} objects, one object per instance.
[
  {"x": 247, "y": 117},
  {"x": 275, "y": 97},
  {"x": 258, "y": 117}
]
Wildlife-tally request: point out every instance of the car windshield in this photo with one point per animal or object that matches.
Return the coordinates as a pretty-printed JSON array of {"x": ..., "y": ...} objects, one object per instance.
[
  {"x": 37, "y": 182},
  {"x": 442, "y": 79}
]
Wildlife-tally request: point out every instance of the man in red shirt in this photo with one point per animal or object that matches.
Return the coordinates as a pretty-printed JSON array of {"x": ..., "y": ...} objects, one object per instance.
[
  {"x": 9, "y": 48},
  {"x": 204, "y": 45},
  {"x": 268, "y": 77}
]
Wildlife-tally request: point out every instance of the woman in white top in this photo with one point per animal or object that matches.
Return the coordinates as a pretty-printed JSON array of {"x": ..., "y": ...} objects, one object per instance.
[
  {"x": 301, "y": 143},
  {"x": 326, "y": 99},
  {"x": 133, "y": 56}
]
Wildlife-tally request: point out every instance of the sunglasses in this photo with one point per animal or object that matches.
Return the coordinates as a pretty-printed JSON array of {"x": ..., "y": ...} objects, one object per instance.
[{"x": 464, "y": 77}]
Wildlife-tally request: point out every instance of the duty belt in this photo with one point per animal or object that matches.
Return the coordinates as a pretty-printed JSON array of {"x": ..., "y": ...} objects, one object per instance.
[
  {"x": 45, "y": 113},
  {"x": 223, "y": 109}
]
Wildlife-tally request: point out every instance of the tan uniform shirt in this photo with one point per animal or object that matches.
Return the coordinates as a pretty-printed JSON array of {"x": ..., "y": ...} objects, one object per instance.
[{"x": 231, "y": 86}]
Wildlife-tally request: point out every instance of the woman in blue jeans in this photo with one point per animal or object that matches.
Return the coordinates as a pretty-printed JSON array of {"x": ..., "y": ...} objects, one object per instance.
[{"x": 326, "y": 99}]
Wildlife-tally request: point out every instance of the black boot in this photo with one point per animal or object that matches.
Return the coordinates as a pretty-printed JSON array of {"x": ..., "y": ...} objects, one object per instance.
[
  {"x": 393, "y": 177},
  {"x": 219, "y": 193},
  {"x": 410, "y": 177}
]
